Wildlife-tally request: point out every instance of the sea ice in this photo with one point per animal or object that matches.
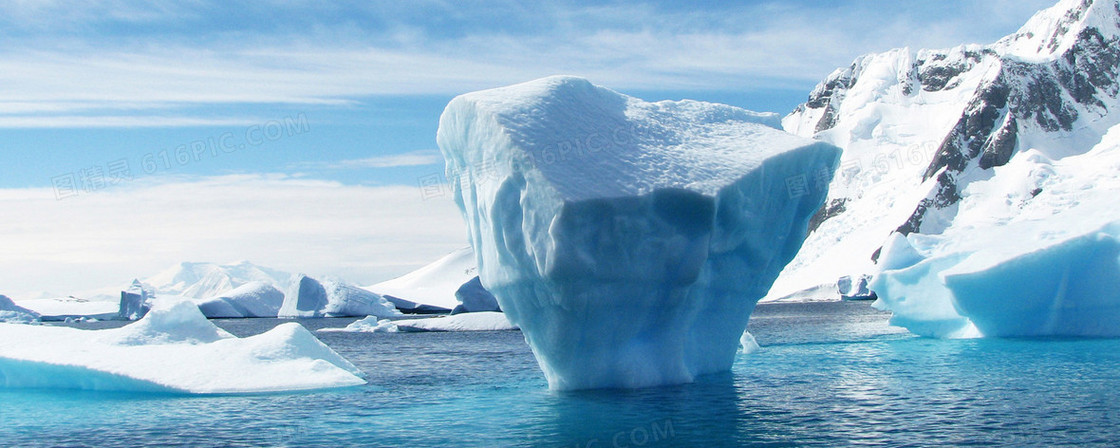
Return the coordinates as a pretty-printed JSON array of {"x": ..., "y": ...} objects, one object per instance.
[
  {"x": 172, "y": 349},
  {"x": 476, "y": 321},
  {"x": 432, "y": 288},
  {"x": 629, "y": 240}
]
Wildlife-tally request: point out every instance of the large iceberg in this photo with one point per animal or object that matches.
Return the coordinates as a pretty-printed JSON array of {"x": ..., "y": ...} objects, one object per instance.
[
  {"x": 172, "y": 349},
  {"x": 629, "y": 240},
  {"x": 308, "y": 297},
  {"x": 253, "y": 299}
]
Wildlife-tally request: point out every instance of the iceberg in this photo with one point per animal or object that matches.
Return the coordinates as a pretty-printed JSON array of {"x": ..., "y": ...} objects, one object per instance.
[
  {"x": 253, "y": 299},
  {"x": 307, "y": 297},
  {"x": 476, "y": 321},
  {"x": 173, "y": 349},
  {"x": 628, "y": 240},
  {"x": 135, "y": 302},
  {"x": 474, "y": 298},
  {"x": 10, "y": 312},
  {"x": 432, "y": 288}
]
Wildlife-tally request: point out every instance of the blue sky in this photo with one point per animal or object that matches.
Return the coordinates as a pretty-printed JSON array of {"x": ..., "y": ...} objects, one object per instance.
[
  {"x": 351, "y": 92},
  {"x": 87, "y": 83}
]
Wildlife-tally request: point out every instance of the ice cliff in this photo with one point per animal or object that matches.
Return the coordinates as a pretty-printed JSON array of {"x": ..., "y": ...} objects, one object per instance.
[{"x": 629, "y": 240}]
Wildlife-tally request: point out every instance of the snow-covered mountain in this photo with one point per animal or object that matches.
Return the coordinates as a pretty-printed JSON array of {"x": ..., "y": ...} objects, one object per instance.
[
  {"x": 207, "y": 280},
  {"x": 920, "y": 126}
]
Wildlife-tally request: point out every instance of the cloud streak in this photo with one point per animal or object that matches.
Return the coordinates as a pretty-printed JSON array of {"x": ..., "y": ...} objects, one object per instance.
[
  {"x": 324, "y": 59},
  {"x": 414, "y": 158}
]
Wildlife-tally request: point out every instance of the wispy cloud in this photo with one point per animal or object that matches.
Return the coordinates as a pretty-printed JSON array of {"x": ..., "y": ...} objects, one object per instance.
[
  {"x": 363, "y": 234},
  {"x": 323, "y": 54},
  {"x": 116, "y": 121},
  {"x": 414, "y": 158}
]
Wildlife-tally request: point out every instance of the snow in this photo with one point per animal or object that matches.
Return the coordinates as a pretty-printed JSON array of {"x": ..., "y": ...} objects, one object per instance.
[
  {"x": 63, "y": 307},
  {"x": 890, "y": 119},
  {"x": 1044, "y": 35},
  {"x": 173, "y": 349},
  {"x": 12, "y": 313},
  {"x": 1033, "y": 252},
  {"x": 480, "y": 321},
  {"x": 253, "y": 299},
  {"x": 207, "y": 280},
  {"x": 308, "y": 297},
  {"x": 628, "y": 240},
  {"x": 435, "y": 284},
  {"x": 477, "y": 321}
]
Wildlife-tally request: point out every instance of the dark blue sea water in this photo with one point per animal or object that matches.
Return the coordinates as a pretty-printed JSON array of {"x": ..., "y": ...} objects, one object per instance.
[{"x": 828, "y": 374}]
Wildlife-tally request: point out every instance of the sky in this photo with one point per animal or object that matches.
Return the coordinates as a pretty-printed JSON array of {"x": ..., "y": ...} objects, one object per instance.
[{"x": 297, "y": 134}]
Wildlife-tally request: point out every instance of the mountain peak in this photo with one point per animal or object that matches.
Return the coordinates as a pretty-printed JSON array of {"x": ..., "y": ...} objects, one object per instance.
[{"x": 1052, "y": 31}]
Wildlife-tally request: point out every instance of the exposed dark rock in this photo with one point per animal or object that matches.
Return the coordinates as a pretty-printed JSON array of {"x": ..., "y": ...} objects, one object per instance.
[{"x": 828, "y": 211}]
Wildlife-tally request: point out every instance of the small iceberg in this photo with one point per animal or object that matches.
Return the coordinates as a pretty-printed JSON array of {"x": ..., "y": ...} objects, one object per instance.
[{"x": 173, "y": 349}]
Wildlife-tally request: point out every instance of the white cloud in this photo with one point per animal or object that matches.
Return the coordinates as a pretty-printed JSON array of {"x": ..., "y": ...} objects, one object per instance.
[
  {"x": 116, "y": 121},
  {"x": 363, "y": 234},
  {"x": 756, "y": 46},
  {"x": 414, "y": 158}
]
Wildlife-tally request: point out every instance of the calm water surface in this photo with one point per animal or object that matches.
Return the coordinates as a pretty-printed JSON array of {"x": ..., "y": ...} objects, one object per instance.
[{"x": 828, "y": 374}]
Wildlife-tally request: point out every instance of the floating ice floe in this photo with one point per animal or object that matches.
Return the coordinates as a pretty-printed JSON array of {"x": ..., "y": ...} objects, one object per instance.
[
  {"x": 173, "y": 349},
  {"x": 477, "y": 321}
]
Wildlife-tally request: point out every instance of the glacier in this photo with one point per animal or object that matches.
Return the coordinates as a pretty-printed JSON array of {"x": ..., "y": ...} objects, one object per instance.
[
  {"x": 919, "y": 127},
  {"x": 308, "y": 297},
  {"x": 173, "y": 349},
  {"x": 1034, "y": 251},
  {"x": 628, "y": 240}
]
